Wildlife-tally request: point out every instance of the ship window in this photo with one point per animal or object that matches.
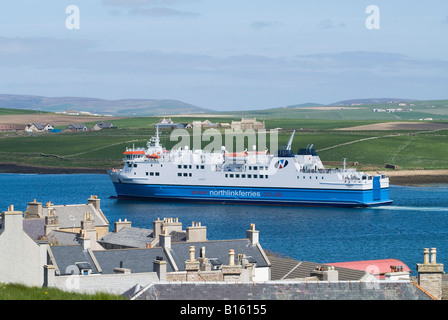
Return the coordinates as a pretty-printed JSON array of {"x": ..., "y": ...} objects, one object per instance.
[
  {"x": 231, "y": 175},
  {"x": 243, "y": 176},
  {"x": 261, "y": 176},
  {"x": 189, "y": 166},
  {"x": 202, "y": 167},
  {"x": 135, "y": 165},
  {"x": 185, "y": 166},
  {"x": 255, "y": 176},
  {"x": 157, "y": 174},
  {"x": 189, "y": 174},
  {"x": 185, "y": 174},
  {"x": 250, "y": 167},
  {"x": 227, "y": 175},
  {"x": 249, "y": 176},
  {"x": 237, "y": 176},
  {"x": 266, "y": 176},
  {"x": 179, "y": 174},
  {"x": 146, "y": 173},
  {"x": 179, "y": 166},
  {"x": 151, "y": 174},
  {"x": 255, "y": 168}
]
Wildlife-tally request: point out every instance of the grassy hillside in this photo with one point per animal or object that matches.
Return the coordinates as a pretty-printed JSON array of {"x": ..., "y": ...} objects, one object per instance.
[
  {"x": 21, "y": 292},
  {"x": 437, "y": 110},
  {"x": 104, "y": 149}
]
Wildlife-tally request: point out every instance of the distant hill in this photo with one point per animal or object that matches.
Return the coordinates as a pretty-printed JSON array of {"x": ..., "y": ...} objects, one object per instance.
[
  {"x": 122, "y": 107},
  {"x": 370, "y": 101},
  {"x": 305, "y": 105}
]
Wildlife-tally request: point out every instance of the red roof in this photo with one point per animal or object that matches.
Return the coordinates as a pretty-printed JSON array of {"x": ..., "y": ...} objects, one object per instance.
[{"x": 375, "y": 267}]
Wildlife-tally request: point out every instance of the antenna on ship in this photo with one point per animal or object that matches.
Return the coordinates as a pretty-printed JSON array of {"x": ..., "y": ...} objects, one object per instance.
[{"x": 157, "y": 136}]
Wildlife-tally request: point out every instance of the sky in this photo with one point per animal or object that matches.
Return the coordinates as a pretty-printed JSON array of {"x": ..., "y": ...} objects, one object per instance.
[{"x": 225, "y": 55}]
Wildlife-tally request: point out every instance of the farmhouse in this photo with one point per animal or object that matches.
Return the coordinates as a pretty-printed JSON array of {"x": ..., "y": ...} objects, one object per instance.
[
  {"x": 38, "y": 127},
  {"x": 77, "y": 127},
  {"x": 103, "y": 125}
]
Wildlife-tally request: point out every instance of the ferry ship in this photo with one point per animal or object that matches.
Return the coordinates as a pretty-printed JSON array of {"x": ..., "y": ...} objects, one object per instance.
[{"x": 247, "y": 177}]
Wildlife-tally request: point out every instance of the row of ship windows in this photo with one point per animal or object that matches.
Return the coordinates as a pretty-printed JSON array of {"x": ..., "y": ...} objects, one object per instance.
[
  {"x": 298, "y": 177},
  {"x": 179, "y": 166},
  {"x": 231, "y": 175},
  {"x": 256, "y": 168}
]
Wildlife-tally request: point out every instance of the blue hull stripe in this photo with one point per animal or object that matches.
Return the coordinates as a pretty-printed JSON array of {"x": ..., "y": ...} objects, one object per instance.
[{"x": 277, "y": 196}]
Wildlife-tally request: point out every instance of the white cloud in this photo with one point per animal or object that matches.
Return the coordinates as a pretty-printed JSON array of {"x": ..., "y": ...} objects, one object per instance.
[
  {"x": 330, "y": 24},
  {"x": 264, "y": 24}
]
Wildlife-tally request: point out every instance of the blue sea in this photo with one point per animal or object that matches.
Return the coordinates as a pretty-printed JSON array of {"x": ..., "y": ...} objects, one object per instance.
[{"x": 417, "y": 219}]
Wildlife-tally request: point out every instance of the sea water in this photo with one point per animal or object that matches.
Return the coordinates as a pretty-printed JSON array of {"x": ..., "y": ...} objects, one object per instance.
[{"x": 417, "y": 219}]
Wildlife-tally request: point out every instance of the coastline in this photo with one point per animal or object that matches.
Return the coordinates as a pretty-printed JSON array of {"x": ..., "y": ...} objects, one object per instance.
[
  {"x": 18, "y": 168},
  {"x": 397, "y": 177}
]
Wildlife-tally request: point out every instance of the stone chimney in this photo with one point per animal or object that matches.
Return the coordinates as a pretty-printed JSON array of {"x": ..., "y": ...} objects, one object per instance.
[
  {"x": 156, "y": 228},
  {"x": 172, "y": 224},
  {"x": 232, "y": 271},
  {"x": 12, "y": 221},
  {"x": 118, "y": 225},
  {"x": 160, "y": 268},
  {"x": 192, "y": 265},
  {"x": 51, "y": 220},
  {"x": 165, "y": 239},
  {"x": 196, "y": 232},
  {"x": 204, "y": 263},
  {"x": 430, "y": 274},
  {"x": 88, "y": 233},
  {"x": 252, "y": 235},
  {"x": 34, "y": 210},
  {"x": 95, "y": 202}
]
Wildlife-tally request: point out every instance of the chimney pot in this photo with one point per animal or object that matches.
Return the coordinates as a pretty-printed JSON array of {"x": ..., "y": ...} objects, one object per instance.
[{"x": 433, "y": 255}]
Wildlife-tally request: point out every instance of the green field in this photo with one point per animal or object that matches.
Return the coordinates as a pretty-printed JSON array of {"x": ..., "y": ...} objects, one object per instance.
[
  {"x": 422, "y": 149},
  {"x": 103, "y": 149}
]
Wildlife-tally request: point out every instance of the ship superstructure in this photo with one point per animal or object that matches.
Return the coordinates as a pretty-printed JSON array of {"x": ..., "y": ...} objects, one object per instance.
[{"x": 244, "y": 177}]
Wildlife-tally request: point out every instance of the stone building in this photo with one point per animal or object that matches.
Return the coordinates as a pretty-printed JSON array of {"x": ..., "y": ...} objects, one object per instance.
[
  {"x": 64, "y": 224},
  {"x": 247, "y": 123},
  {"x": 171, "y": 263}
]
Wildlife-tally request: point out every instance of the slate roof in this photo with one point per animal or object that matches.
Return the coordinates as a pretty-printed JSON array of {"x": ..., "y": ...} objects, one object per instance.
[
  {"x": 217, "y": 249},
  {"x": 128, "y": 237},
  {"x": 288, "y": 269},
  {"x": 137, "y": 260},
  {"x": 72, "y": 215},
  {"x": 284, "y": 290},
  {"x": 67, "y": 258}
]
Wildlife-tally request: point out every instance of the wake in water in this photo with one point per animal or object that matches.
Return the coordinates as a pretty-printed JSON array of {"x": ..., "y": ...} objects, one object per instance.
[{"x": 407, "y": 208}]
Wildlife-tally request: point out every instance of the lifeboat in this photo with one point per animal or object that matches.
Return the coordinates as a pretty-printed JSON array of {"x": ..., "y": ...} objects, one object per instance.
[{"x": 153, "y": 156}]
